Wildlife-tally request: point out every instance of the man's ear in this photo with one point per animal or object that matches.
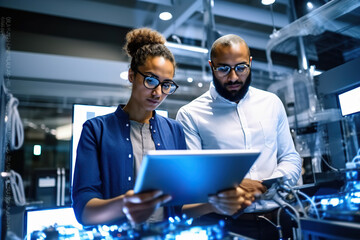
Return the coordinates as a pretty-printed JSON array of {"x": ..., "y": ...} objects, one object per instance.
[{"x": 131, "y": 75}]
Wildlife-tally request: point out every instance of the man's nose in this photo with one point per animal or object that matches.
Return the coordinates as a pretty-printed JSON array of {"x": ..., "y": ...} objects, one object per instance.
[{"x": 232, "y": 76}]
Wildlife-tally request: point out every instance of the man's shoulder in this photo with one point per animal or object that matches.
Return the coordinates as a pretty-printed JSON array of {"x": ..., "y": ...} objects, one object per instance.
[{"x": 263, "y": 93}]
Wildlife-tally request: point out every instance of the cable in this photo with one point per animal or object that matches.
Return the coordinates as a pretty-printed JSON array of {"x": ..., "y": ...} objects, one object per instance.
[
  {"x": 311, "y": 203},
  {"x": 297, "y": 198},
  {"x": 357, "y": 156},
  {"x": 17, "y": 187},
  {"x": 296, "y": 217},
  {"x": 15, "y": 126},
  {"x": 278, "y": 227},
  {"x": 327, "y": 164}
]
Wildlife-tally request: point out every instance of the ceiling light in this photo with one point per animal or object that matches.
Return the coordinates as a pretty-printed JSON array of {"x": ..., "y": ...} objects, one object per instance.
[
  {"x": 200, "y": 84},
  {"x": 190, "y": 79},
  {"x": 267, "y": 2},
  {"x": 124, "y": 75},
  {"x": 165, "y": 16},
  {"x": 64, "y": 132},
  {"x": 37, "y": 150},
  {"x": 309, "y": 5},
  {"x": 186, "y": 47}
]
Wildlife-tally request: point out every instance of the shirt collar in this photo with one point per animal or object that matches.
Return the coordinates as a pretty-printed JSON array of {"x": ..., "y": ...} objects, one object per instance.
[{"x": 122, "y": 114}]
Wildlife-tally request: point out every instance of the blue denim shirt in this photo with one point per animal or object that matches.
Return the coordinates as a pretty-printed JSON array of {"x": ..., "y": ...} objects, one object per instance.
[{"x": 104, "y": 165}]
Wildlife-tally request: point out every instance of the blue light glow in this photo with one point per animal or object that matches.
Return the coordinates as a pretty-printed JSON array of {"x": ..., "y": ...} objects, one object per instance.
[
  {"x": 334, "y": 201},
  {"x": 355, "y": 200}
]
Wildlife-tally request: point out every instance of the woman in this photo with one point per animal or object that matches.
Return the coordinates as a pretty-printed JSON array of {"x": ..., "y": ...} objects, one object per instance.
[{"x": 111, "y": 147}]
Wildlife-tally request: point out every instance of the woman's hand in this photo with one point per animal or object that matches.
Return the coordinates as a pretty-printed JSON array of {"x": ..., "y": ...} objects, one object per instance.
[{"x": 139, "y": 207}]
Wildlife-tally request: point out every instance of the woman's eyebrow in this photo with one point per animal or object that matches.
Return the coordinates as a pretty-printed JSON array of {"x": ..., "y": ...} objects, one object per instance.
[
  {"x": 152, "y": 74},
  {"x": 156, "y": 76}
]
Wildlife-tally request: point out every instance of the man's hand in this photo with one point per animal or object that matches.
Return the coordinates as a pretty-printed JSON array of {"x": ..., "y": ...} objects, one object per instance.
[
  {"x": 253, "y": 186},
  {"x": 139, "y": 207},
  {"x": 230, "y": 201}
]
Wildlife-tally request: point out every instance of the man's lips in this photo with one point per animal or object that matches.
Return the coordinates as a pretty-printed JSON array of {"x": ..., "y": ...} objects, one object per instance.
[{"x": 233, "y": 87}]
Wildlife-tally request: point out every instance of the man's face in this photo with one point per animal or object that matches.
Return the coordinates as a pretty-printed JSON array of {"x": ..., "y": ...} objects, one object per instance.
[{"x": 234, "y": 84}]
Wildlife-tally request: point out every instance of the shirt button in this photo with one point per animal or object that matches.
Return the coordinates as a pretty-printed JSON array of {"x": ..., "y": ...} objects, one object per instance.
[
  {"x": 150, "y": 126},
  {"x": 127, "y": 139},
  {"x": 158, "y": 144},
  {"x": 127, "y": 124},
  {"x": 129, "y": 155},
  {"x": 154, "y": 131},
  {"x": 129, "y": 178}
]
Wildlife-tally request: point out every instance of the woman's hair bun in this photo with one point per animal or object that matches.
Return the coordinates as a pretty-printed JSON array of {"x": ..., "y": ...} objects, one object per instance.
[{"x": 139, "y": 37}]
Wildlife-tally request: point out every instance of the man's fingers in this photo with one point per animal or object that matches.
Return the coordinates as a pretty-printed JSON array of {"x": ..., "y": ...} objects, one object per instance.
[{"x": 141, "y": 197}]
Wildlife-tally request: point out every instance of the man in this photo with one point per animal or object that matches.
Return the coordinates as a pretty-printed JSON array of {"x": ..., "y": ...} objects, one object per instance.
[{"x": 233, "y": 115}]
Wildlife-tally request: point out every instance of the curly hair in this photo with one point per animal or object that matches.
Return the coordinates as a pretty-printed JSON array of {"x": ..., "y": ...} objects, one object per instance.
[{"x": 142, "y": 43}]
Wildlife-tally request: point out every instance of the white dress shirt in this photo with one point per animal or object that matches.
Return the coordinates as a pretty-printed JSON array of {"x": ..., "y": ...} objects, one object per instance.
[{"x": 258, "y": 121}]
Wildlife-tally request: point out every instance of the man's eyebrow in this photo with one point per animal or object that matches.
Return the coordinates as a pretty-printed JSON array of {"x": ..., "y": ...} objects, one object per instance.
[{"x": 226, "y": 64}]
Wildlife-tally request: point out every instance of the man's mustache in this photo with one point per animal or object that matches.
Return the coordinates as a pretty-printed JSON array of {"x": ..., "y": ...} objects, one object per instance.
[{"x": 233, "y": 83}]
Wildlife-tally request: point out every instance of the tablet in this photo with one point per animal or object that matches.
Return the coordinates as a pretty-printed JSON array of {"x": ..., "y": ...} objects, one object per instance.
[{"x": 190, "y": 176}]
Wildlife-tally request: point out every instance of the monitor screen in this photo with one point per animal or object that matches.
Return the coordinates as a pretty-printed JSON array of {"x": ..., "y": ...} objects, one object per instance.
[
  {"x": 81, "y": 113},
  {"x": 350, "y": 101},
  {"x": 41, "y": 219}
]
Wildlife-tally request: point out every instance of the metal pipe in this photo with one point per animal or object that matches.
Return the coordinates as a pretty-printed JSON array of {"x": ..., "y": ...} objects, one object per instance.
[{"x": 302, "y": 58}]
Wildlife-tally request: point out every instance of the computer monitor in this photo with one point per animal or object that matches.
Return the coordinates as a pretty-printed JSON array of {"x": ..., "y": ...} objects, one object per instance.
[
  {"x": 81, "y": 113},
  {"x": 349, "y": 101},
  {"x": 41, "y": 219}
]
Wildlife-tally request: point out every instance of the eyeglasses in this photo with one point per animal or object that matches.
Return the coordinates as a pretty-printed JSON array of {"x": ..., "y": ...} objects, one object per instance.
[
  {"x": 241, "y": 69},
  {"x": 167, "y": 86}
]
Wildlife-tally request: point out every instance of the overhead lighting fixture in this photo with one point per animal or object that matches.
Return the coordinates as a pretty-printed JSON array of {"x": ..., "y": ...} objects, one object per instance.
[
  {"x": 64, "y": 132},
  {"x": 310, "y": 5},
  {"x": 186, "y": 47},
  {"x": 267, "y": 2},
  {"x": 165, "y": 16},
  {"x": 190, "y": 79},
  {"x": 37, "y": 150},
  {"x": 124, "y": 75}
]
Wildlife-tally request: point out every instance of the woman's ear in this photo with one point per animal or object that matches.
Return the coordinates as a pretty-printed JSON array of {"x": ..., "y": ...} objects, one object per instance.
[{"x": 131, "y": 75}]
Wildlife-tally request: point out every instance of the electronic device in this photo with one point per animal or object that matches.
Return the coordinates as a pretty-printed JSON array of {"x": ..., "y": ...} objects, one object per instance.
[
  {"x": 190, "y": 176},
  {"x": 39, "y": 219},
  {"x": 270, "y": 181},
  {"x": 349, "y": 101},
  {"x": 81, "y": 113},
  {"x": 177, "y": 228}
]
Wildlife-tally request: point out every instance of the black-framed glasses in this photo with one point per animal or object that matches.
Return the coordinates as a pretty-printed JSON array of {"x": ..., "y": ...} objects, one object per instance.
[
  {"x": 168, "y": 87},
  {"x": 241, "y": 69}
]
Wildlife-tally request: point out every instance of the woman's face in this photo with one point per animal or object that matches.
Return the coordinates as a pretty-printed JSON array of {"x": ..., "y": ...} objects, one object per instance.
[{"x": 158, "y": 67}]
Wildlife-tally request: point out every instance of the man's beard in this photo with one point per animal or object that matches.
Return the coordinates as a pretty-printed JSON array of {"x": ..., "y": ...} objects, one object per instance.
[{"x": 234, "y": 96}]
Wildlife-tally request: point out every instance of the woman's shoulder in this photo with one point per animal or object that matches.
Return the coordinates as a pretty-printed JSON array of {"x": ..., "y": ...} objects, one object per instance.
[
  {"x": 102, "y": 120},
  {"x": 169, "y": 121}
]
